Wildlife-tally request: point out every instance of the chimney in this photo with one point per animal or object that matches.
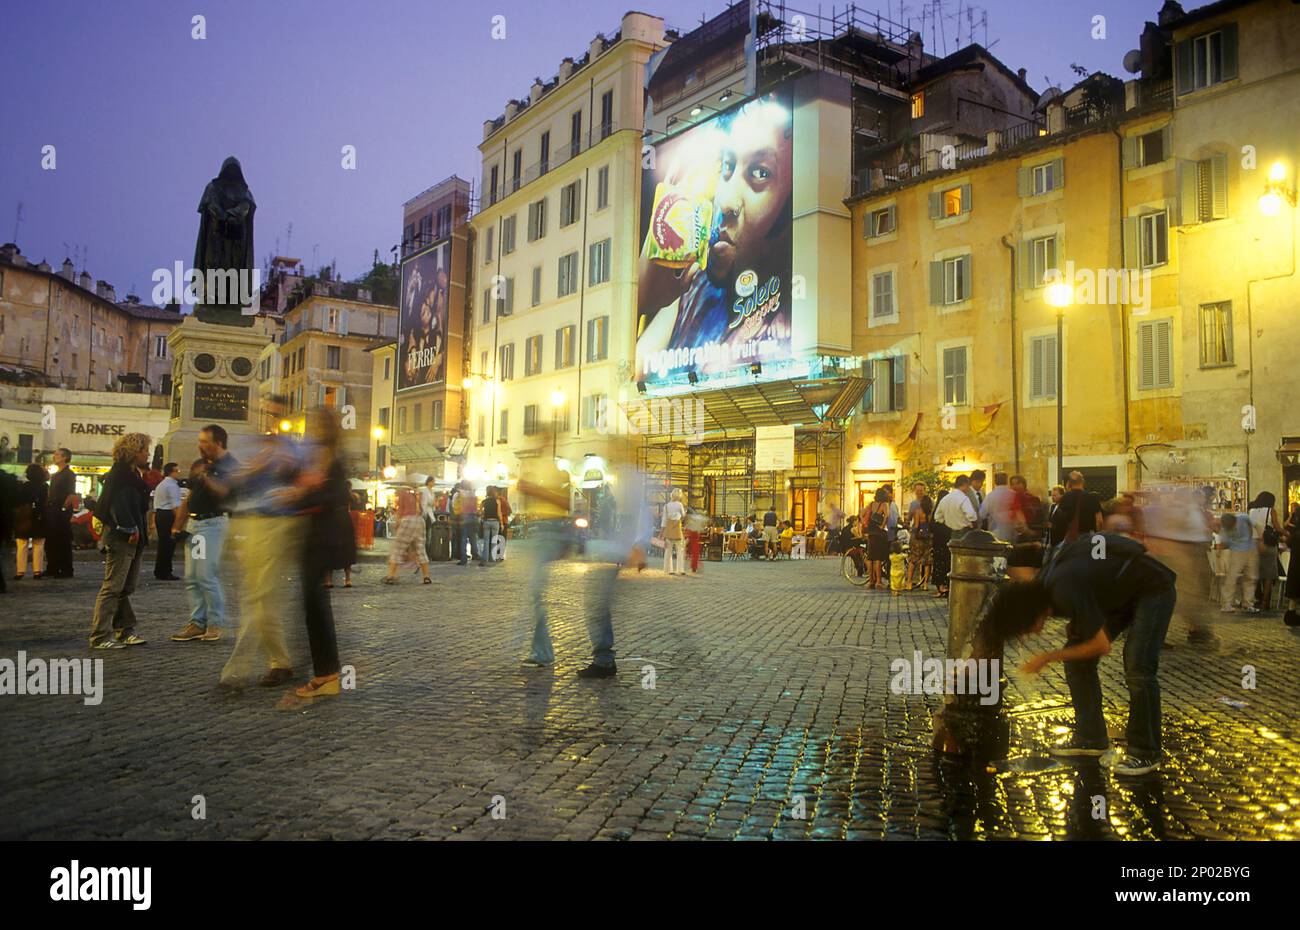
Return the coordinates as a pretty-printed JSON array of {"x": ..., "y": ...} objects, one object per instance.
[
  {"x": 8, "y": 251},
  {"x": 511, "y": 109},
  {"x": 67, "y": 271},
  {"x": 566, "y": 69},
  {"x": 86, "y": 281},
  {"x": 106, "y": 291},
  {"x": 1171, "y": 11},
  {"x": 43, "y": 266},
  {"x": 488, "y": 125},
  {"x": 1021, "y": 72},
  {"x": 535, "y": 92},
  {"x": 597, "y": 46}
]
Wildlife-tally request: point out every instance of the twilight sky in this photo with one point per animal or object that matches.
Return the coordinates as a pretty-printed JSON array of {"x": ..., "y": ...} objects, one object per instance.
[{"x": 142, "y": 115}]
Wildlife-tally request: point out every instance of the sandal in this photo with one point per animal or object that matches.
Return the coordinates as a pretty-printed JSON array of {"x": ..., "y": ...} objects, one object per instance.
[
  {"x": 348, "y": 585},
  {"x": 319, "y": 687},
  {"x": 387, "y": 580},
  {"x": 427, "y": 580}
]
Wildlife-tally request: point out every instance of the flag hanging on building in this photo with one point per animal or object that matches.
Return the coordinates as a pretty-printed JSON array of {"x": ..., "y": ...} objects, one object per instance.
[
  {"x": 904, "y": 449},
  {"x": 982, "y": 417}
]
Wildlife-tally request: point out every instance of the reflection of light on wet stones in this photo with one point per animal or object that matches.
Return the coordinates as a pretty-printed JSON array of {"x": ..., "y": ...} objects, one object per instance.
[{"x": 1024, "y": 765}]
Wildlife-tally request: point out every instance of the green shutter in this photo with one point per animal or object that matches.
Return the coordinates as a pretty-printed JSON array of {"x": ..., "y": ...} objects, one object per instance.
[
  {"x": 1036, "y": 367},
  {"x": 965, "y": 198},
  {"x": 967, "y": 278},
  {"x": 1229, "y": 51},
  {"x": 1188, "y": 211},
  {"x": 893, "y": 218},
  {"x": 1167, "y": 141},
  {"x": 1183, "y": 66},
  {"x": 1132, "y": 230},
  {"x": 1050, "y": 386},
  {"x": 900, "y": 382},
  {"x": 936, "y": 205},
  {"x": 1024, "y": 182},
  {"x": 1024, "y": 264},
  {"x": 1218, "y": 186},
  {"x": 936, "y": 284},
  {"x": 1130, "y": 146},
  {"x": 1146, "y": 356},
  {"x": 1058, "y": 173}
]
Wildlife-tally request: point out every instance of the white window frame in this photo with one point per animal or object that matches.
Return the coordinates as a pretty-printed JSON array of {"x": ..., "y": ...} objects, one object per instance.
[{"x": 1147, "y": 225}]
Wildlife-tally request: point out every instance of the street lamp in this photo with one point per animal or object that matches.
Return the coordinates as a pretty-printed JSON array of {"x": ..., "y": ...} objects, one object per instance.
[
  {"x": 1276, "y": 191},
  {"x": 1060, "y": 295},
  {"x": 557, "y": 401}
]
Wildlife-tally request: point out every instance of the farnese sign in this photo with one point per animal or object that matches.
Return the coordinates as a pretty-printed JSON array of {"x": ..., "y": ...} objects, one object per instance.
[{"x": 97, "y": 429}]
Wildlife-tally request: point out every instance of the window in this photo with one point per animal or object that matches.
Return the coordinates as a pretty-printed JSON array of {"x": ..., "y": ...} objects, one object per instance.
[
  {"x": 487, "y": 244},
  {"x": 426, "y": 229},
  {"x": 383, "y": 417},
  {"x": 536, "y": 220},
  {"x": 1206, "y": 60},
  {"x": 598, "y": 339},
  {"x": 530, "y": 420},
  {"x": 1155, "y": 355},
  {"x": 567, "y": 281},
  {"x": 1152, "y": 148},
  {"x": 887, "y": 389},
  {"x": 537, "y": 285},
  {"x": 482, "y": 429},
  {"x": 483, "y": 365},
  {"x": 159, "y": 344},
  {"x": 444, "y": 222},
  {"x": 1203, "y": 189},
  {"x": 401, "y": 419},
  {"x": 1216, "y": 334},
  {"x": 882, "y": 295},
  {"x": 545, "y": 160},
  {"x": 918, "y": 105},
  {"x": 435, "y": 418},
  {"x": 506, "y": 362},
  {"x": 954, "y": 376},
  {"x": 505, "y": 296},
  {"x": 560, "y": 417},
  {"x": 508, "y": 235},
  {"x": 417, "y": 415},
  {"x": 564, "y": 346},
  {"x": 1043, "y": 258},
  {"x": 575, "y": 133},
  {"x": 949, "y": 203},
  {"x": 1046, "y": 177},
  {"x": 503, "y": 434},
  {"x": 302, "y": 357},
  {"x": 532, "y": 355},
  {"x": 602, "y": 187},
  {"x": 880, "y": 223},
  {"x": 606, "y": 113},
  {"x": 492, "y": 186},
  {"x": 333, "y": 358},
  {"x": 331, "y": 319},
  {"x": 593, "y": 411},
  {"x": 516, "y": 169},
  {"x": 1042, "y": 367},
  {"x": 487, "y": 306},
  {"x": 950, "y": 280},
  {"x": 388, "y": 369},
  {"x": 1153, "y": 239},
  {"x": 598, "y": 262},
  {"x": 570, "y": 203}
]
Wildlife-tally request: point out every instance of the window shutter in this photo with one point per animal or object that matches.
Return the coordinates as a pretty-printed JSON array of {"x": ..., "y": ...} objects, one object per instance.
[
  {"x": 1167, "y": 141},
  {"x": 1058, "y": 173},
  {"x": 900, "y": 382},
  {"x": 1163, "y": 354},
  {"x": 868, "y": 372},
  {"x": 1024, "y": 265},
  {"x": 1219, "y": 186},
  {"x": 965, "y": 198},
  {"x": 893, "y": 218},
  {"x": 1130, "y": 147},
  {"x": 321, "y": 402},
  {"x": 604, "y": 337},
  {"x": 1188, "y": 211},
  {"x": 1229, "y": 51},
  {"x": 1132, "y": 229},
  {"x": 1183, "y": 66},
  {"x": 1050, "y": 386},
  {"x": 936, "y": 205},
  {"x": 343, "y": 321},
  {"x": 936, "y": 283},
  {"x": 1024, "y": 182},
  {"x": 866, "y": 225},
  {"x": 1036, "y": 367},
  {"x": 343, "y": 396},
  {"x": 967, "y": 278},
  {"x": 1146, "y": 356}
]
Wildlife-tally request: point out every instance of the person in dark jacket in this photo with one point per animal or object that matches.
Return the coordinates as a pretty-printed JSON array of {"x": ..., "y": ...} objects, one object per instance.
[
  {"x": 30, "y": 518},
  {"x": 8, "y": 500},
  {"x": 61, "y": 505},
  {"x": 123, "y": 508},
  {"x": 322, "y": 495}
]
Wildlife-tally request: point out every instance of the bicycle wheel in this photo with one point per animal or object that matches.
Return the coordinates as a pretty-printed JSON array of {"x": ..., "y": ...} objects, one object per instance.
[{"x": 850, "y": 571}]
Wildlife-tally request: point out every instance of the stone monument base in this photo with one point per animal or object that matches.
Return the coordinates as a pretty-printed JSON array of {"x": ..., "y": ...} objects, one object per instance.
[{"x": 214, "y": 381}]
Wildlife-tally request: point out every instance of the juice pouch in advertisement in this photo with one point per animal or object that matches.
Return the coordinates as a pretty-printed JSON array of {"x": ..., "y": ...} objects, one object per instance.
[{"x": 681, "y": 221}]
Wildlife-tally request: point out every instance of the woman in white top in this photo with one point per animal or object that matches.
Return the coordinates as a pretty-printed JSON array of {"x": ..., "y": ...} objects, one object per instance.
[
  {"x": 674, "y": 537},
  {"x": 1263, "y": 514}
]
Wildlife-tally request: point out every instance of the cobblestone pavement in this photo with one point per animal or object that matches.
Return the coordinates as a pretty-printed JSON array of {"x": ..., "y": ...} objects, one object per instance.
[{"x": 771, "y": 691}]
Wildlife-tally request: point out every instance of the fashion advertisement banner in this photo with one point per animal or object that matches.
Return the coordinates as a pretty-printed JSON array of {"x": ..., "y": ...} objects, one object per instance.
[
  {"x": 422, "y": 337},
  {"x": 714, "y": 291}
]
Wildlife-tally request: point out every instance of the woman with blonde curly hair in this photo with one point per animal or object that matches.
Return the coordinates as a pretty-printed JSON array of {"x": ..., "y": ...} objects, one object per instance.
[{"x": 123, "y": 508}]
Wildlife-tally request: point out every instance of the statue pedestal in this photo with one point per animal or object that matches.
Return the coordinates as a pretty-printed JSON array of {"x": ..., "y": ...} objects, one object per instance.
[{"x": 214, "y": 381}]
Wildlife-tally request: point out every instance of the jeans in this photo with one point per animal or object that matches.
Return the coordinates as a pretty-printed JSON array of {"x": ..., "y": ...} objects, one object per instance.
[
  {"x": 203, "y": 575},
  {"x": 1146, "y": 635},
  {"x": 551, "y": 540},
  {"x": 113, "y": 611},
  {"x": 467, "y": 532},
  {"x": 491, "y": 530}
]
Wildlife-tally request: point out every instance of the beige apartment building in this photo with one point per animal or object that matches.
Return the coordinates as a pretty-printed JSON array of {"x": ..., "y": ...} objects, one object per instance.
[{"x": 555, "y": 259}]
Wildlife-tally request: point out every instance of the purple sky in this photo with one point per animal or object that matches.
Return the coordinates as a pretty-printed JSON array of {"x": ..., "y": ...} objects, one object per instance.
[{"x": 142, "y": 115}]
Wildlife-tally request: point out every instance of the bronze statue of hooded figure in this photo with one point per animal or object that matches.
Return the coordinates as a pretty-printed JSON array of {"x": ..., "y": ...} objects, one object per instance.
[{"x": 226, "y": 244}]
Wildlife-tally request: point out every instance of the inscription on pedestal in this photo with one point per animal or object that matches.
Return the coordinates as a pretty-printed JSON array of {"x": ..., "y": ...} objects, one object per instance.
[{"x": 220, "y": 402}]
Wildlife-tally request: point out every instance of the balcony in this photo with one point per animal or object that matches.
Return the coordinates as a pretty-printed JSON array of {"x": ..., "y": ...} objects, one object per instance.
[{"x": 559, "y": 156}]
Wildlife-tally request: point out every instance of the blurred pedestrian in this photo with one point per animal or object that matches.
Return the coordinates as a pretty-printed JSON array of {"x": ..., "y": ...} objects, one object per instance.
[
  {"x": 675, "y": 536},
  {"x": 491, "y": 525},
  {"x": 695, "y": 525},
  {"x": 1178, "y": 534},
  {"x": 8, "y": 501},
  {"x": 62, "y": 505},
  {"x": 920, "y": 532},
  {"x": 467, "y": 529},
  {"x": 408, "y": 545},
  {"x": 31, "y": 519},
  {"x": 123, "y": 509},
  {"x": 1267, "y": 530},
  {"x": 878, "y": 539},
  {"x": 1243, "y": 563}
]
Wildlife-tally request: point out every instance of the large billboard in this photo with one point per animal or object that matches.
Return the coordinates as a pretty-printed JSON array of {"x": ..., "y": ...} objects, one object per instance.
[
  {"x": 714, "y": 290},
  {"x": 422, "y": 334}
]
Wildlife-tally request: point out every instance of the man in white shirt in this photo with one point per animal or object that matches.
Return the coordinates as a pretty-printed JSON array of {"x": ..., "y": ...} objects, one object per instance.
[
  {"x": 954, "y": 514},
  {"x": 429, "y": 510},
  {"x": 167, "y": 500}
]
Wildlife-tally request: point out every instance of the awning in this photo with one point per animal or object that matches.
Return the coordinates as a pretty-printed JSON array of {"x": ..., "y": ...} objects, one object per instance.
[
  {"x": 740, "y": 408},
  {"x": 416, "y": 451}
]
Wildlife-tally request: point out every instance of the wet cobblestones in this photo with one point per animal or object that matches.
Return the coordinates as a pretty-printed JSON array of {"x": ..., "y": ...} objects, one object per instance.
[{"x": 771, "y": 698}]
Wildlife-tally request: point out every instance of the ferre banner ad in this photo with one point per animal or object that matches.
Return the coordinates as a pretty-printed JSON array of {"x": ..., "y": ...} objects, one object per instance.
[
  {"x": 422, "y": 336},
  {"x": 714, "y": 292}
]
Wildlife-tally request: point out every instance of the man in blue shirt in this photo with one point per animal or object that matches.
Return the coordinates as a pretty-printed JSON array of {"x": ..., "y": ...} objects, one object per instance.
[{"x": 1243, "y": 563}]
